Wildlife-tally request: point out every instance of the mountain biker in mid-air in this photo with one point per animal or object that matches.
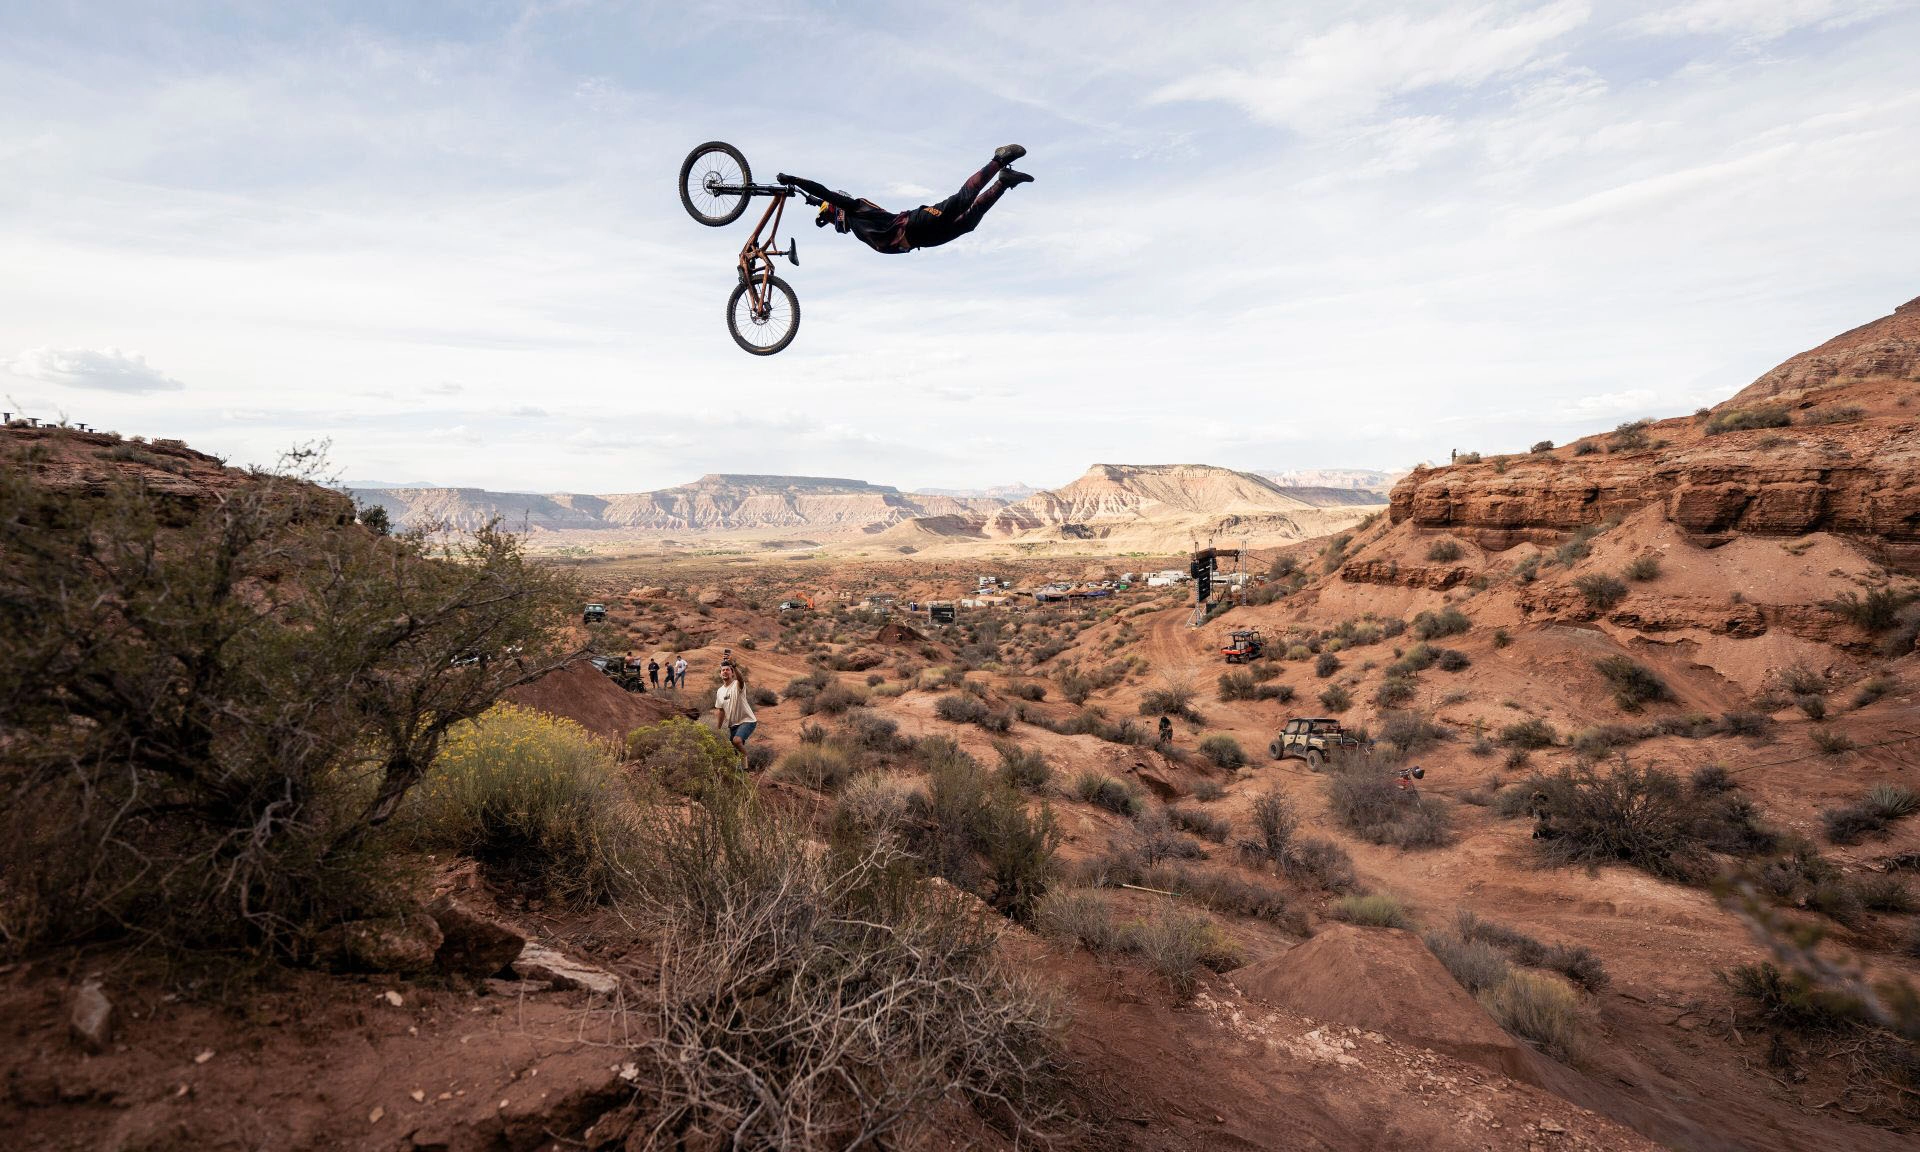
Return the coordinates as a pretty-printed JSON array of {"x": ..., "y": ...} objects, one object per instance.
[{"x": 927, "y": 226}]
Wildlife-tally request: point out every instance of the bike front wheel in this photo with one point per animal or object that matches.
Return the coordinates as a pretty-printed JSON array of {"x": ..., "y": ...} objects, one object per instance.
[
  {"x": 768, "y": 327},
  {"x": 715, "y": 164}
]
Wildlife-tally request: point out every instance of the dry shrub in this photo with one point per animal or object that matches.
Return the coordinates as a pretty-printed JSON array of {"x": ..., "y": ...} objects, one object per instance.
[
  {"x": 1114, "y": 795},
  {"x": 1224, "y": 751},
  {"x": 214, "y": 704},
  {"x": 1633, "y": 683},
  {"x": 534, "y": 798},
  {"x": 1576, "y": 962},
  {"x": 1155, "y": 838},
  {"x": 1369, "y": 802},
  {"x": 1203, "y": 824},
  {"x": 873, "y": 806},
  {"x": 821, "y": 767},
  {"x": 1024, "y": 768},
  {"x": 1476, "y": 964},
  {"x": 1600, "y": 590},
  {"x": 1177, "y": 941},
  {"x": 1538, "y": 1009},
  {"x": 834, "y": 699},
  {"x": 814, "y": 1000}
]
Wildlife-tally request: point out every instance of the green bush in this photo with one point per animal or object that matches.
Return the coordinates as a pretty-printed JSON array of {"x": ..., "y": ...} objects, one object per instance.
[
  {"x": 1326, "y": 665},
  {"x": 1877, "y": 611},
  {"x": 1643, "y": 568},
  {"x": 1531, "y": 733},
  {"x": 1106, "y": 792},
  {"x": 1223, "y": 750},
  {"x": 534, "y": 798},
  {"x": 1640, "y": 816},
  {"x": 1746, "y": 419},
  {"x": 1168, "y": 700},
  {"x": 1475, "y": 964},
  {"x": 1541, "y": 446},
  {"x": 834, "y": 699},
  {"x": 1336, "y": 699},
  {"x": 960, "y": 708},
  {"x": 1445, "y": 551},
  {"x": 1446, "y": 622},
  {"x": 687, "y": 757},
  {"x": 978, "y": 834},
  {"x": 821, "y": 767},
  {"x": 1024, "y": 768},
  {"x": 214, "y": 703},
  {"x": 1600, "y": 590},
  {"x": 1789, "y": 1000},
  {"x": 1376, "y": 911},
  {"x": 1395, "y": 690},
  {"x": 1633, "y": 683}
]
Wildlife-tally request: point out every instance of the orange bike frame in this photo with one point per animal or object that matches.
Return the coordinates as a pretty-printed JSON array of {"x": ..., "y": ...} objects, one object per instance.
[{"x": 756, "y": 259}]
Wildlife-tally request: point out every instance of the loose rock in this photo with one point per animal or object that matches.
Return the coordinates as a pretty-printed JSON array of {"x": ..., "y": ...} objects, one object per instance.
[
  {"x": 472, "y": 944},
  {"x": 93, "y": 1018}
]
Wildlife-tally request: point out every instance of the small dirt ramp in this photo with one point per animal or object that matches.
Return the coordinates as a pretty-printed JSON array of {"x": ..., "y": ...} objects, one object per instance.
[
  {"x": 584, "y": 694},
  {"x": 1385, "y": 980}
]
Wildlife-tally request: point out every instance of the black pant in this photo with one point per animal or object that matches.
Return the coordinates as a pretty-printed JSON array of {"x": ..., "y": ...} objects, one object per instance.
[
  {"x": 932, "y": 225},
  {"x": 653, "y": 674}
]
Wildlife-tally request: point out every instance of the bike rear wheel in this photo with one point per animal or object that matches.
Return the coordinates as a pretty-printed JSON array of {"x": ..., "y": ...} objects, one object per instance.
[
  {"x": 769, "y": 329},
  {"x": 715, "y": 163}
]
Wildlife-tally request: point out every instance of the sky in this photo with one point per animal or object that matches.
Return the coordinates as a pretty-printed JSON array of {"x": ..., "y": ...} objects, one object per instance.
[{"x": 445, "y": 238}]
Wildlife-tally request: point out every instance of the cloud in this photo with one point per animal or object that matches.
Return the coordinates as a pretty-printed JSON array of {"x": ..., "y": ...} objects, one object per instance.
[
  {"x": 1756, "y": 20},
  {"x": 1349, "y": 71},
  {"x": 99, "y": 370}
]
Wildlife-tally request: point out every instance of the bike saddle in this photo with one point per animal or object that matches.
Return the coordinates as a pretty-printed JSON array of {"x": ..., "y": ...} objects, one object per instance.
[{"x": 793, "y": 251}]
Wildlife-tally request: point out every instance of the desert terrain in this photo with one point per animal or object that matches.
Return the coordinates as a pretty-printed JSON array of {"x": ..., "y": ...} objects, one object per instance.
[{"x": 1654, "y": 886}]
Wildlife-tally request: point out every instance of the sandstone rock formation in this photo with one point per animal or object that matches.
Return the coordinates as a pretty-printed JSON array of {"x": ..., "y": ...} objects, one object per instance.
[{"x": 1836, "y": 448}]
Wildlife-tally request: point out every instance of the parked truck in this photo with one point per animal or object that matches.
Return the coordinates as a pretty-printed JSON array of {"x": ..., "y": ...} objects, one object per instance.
[{"x": 1315, "y": 739}]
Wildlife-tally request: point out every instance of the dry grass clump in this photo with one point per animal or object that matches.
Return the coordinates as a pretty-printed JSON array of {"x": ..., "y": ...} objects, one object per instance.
[
  {"x": 1528, "y": 734},
  {"x": 1476, "y": 964},
  {"x": 821, "y": 767},
  {"x": 1202, "y": 824},
  {"x": 1576, "y": 962},
  {"x": 1176, "y": 941},
  {"x": 1445, "y": 551},
  {"x": 1107, "y": 792},
  {"x": 1538, "y": 1009},
  {"x": 1374, "y": 911},
  {"x": 1746, "y": 419}
]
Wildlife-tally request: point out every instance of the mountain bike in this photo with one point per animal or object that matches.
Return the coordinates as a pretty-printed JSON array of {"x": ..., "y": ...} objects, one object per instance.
[{"x": 763, "y": 314}]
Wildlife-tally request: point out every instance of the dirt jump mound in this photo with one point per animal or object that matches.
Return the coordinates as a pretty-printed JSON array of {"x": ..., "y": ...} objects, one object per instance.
[
  {"x": 893, "y": 632},
  {"x": 582, "y": 693},
  {"x": 1385, "y": 980}
]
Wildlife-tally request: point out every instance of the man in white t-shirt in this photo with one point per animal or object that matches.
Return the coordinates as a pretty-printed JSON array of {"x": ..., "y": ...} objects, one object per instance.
[
  {"x": 732, "y": 710},
  {"x": 680, "y": 672}
]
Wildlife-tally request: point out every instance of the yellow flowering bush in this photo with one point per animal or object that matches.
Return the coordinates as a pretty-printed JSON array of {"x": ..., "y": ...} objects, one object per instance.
[
  {"x": 535, "y": 798},
  {"x": 687, "y": 757}
]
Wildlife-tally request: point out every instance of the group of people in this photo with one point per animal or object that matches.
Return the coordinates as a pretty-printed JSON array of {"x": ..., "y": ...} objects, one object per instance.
[{"x": 676, "y": 670}]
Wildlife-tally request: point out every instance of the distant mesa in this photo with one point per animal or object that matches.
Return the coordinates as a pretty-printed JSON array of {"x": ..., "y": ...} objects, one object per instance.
[{"x": 1146, "y": 506}]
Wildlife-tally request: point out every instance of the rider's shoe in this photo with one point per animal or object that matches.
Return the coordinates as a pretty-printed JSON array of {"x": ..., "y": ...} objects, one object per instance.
[
  {"x": 782, "y": 178},
  {"x": 1008, "y": 153},
  {"x": 1010, "y": 178}
]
